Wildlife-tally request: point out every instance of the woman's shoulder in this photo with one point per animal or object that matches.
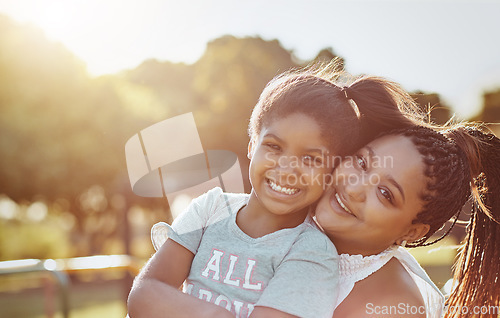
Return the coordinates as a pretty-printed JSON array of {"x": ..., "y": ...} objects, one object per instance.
[
  {"x": 389, "y": 292},
  {"x": 398, "y": 284}
]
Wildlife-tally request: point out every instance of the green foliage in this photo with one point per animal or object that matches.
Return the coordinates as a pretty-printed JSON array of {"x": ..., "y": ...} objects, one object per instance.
[
  {"x": 491, "y": 110},
  {"x": 42, "y": 240},
  {"x": 431, "y": 104},
  {"x": 57, "y": 132}
]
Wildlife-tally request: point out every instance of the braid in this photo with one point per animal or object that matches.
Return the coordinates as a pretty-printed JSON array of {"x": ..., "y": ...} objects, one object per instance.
[{"x": 477, "y": 271}]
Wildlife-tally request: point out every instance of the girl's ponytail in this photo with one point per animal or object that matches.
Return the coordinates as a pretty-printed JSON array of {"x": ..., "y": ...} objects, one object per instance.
[{"x": 383, "y": 105}]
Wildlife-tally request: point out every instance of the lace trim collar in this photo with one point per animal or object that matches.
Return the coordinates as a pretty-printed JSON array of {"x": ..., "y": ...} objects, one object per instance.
[{"x": 357, "y": 267}]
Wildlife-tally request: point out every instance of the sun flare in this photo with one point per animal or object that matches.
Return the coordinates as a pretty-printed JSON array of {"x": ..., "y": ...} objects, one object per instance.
[{"x": 113, "y": 35}]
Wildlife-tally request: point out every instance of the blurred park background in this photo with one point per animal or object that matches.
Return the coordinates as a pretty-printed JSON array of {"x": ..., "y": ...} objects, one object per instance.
[{"x": 64, "y": 189}]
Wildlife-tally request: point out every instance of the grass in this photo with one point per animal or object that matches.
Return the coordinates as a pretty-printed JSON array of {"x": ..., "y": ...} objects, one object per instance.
[{"x": 108, "y": 309}]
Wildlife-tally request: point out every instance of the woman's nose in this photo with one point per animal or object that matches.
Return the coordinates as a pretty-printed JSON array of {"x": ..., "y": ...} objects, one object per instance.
[{"x": 354, "y": 187}]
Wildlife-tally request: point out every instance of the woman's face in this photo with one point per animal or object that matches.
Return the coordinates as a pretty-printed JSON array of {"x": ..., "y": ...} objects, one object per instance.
[{"x": 374, "y": 198}]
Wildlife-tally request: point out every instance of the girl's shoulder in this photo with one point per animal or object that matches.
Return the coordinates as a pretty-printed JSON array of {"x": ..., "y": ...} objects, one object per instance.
[{"x": 216, "y": 200}]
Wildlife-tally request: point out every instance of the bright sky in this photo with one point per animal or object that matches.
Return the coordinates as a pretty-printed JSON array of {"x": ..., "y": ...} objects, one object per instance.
[{"x": 450, "y": 47}]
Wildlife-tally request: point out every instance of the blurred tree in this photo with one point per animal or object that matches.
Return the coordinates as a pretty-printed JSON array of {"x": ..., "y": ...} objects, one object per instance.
[
  {"x": 170, "y": 82},
  {"x": 326, "y": 55},
  {"x": 38, "y": 80},
  {"x": 62, "y": 133},
  {"x": 491, "y": 106},
  {"x": 490, "y": 112},
  {"x": 432, "y": 105}
]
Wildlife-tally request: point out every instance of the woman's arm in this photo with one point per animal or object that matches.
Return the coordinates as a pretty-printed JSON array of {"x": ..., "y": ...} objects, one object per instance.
[{"x": 155, "y": 291}]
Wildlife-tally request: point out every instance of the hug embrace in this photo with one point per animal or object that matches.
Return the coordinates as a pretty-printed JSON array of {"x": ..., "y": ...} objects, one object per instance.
[{"x": 318, "y": 237}]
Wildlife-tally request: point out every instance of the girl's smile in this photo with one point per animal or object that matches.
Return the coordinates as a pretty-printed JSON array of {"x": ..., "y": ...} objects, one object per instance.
[{"x": 289, "y": 191}]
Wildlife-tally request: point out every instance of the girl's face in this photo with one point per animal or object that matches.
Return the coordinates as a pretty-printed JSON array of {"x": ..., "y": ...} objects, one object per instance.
[
  {"x": 375, "y": 197},
  {"x": 289, "y": 164}
]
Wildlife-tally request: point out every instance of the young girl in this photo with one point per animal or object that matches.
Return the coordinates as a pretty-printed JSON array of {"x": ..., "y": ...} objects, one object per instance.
[
  {"x": 261, "y": 253},
  {"x": 430, "y": 177}
]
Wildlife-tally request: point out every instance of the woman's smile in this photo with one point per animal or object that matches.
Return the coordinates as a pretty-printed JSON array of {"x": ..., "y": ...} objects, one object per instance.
[
  {"x": 342, "y": 205},
  {"x": 338, "y": 204}
]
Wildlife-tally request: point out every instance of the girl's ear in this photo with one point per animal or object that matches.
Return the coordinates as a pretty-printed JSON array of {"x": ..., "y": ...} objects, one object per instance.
[
  {"x": 415, "y": 232},
  {"x": 250, "y": 148}
]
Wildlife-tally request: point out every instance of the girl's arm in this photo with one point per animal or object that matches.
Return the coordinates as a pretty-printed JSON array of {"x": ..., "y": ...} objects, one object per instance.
[
  {"x": 266, "y": 312},
  {"x": 155, "y": 290}
]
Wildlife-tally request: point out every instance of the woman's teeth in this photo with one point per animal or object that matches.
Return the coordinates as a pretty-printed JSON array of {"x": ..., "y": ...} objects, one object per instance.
[
  {"x": 342, "y": 204},
  {"x": 280, "y": 189}
]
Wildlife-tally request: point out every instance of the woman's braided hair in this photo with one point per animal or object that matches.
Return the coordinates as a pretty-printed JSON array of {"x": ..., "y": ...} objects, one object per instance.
[
  {"x": 447, "y": 188},
  {"x": 462, "y": 163}
]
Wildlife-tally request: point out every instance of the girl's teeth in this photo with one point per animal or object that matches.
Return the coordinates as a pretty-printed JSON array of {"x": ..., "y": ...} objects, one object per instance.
[{"x": 278, "y": 188}]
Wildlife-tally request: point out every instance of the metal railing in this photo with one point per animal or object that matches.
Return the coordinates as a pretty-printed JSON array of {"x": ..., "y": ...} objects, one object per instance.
[{"x": 60, "y": 269}]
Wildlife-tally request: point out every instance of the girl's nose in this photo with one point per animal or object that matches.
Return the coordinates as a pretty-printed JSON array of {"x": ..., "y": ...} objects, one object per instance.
[
  {"x": 287, "y": 164},
  {"x": 287, "y": 171}
]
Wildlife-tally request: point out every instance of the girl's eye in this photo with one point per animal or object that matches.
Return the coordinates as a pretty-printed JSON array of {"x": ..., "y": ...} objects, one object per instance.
[
  {"x": 387, "y": 195},
  {"x": 361, "y": 162},
  {"x": 308, "y": 159},
  {"x": 318, "y": 160},
  {"x": 273, "y": 146}
]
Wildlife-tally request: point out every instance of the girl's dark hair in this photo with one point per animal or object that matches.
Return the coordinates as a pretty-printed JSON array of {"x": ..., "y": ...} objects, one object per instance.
[
  {"x": 462, "y": 163},
  {"x": 313, "y": 96},
  {"x": 349, "y": 115},
  {"x": 383, "y": 105}
]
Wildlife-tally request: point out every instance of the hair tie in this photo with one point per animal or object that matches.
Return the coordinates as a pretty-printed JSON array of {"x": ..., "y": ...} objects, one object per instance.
[
  {"x": 351, "y": 101},
  {"x": 344, "y": 90}
]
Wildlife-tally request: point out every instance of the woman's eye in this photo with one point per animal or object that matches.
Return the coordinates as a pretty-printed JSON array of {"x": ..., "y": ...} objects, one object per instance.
[
  {"x": 308, "y": 160},
  {"x": 386, "y": 194},
  {"x": 361, "y": 162}
]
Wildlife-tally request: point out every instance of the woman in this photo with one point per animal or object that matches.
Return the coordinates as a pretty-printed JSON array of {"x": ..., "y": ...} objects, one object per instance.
[{"x": 399, "y": 190}]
